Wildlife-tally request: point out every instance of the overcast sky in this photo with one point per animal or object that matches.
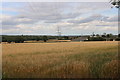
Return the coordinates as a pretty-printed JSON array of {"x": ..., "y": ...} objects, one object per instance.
[{"x": 43, "y": 18}]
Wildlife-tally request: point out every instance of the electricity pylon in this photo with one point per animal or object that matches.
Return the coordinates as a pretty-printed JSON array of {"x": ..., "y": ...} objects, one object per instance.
[{"x": 58, "y": 31}]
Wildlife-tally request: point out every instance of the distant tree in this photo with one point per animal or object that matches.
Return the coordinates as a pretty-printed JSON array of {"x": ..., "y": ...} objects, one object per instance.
[
  {"x": 109, "y": 35},
  {"x": 93, "y": 34},
  {"x": 16, "y": 39},
  {"x": 9, "y": 41},
  {"x": 19, "y": 39},
  {"x": 45, "y": 38},
  {"x": 104, "y": 35},
  {"x": 89, "y": 38},
  {"x": 97, "y": 35},
  {"x": 111, "y": 39},
  {"x": 66, "y": 37},
  {"x": 118, "y": 35},
  {"x": 4, "y": 39},
  {"x": 37, "y": 38},
  {"x": 117, "y": 39}
]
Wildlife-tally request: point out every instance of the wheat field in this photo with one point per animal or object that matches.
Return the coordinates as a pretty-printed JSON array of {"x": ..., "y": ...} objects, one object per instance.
[{"x": 60, "y": 60}]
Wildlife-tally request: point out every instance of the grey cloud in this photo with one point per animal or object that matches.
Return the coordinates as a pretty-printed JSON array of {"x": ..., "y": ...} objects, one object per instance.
[
  {"x": 7, "y": 27},
  {"x": 113, "y": 19},
  {"x": 105, "y": 25},
  {"x": 89, "y": 19},
  {"x": 51, "y": 21},
  {"x": 55, "y": 13},
  {"x": 51, "y": 12},
  {"x": 94, "y": 17},
  {"x": 16, "y": 20},
  {"x": 48, "y": 12}
]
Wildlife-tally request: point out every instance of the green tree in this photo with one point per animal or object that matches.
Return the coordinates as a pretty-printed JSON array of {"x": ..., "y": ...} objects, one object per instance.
[
  {"x": 37, "y": 38},
  {"x": 118, "y": 35},
  {"x": 45, "y": 38},
  {"x": 109, "y": 35},
  {"x": 104, "y": 35},
  {"x": 66, "y": 37},
  {"x": 19, "y": 39},
  {"x": 97, "y": 35}
]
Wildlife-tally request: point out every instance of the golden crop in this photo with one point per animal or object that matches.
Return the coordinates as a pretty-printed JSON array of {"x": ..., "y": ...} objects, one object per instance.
[{"x": 60, "y": 60}]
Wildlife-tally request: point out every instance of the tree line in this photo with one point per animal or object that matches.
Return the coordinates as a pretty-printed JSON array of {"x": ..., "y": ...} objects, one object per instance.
[
  {"x": 104, "y": 37},
  {"x": 93, "y": 37},
  {"x": 22, "y": 38}
]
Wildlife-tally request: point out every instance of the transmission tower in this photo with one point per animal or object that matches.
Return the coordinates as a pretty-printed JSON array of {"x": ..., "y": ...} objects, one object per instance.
[{"x": 58, "y": 31}]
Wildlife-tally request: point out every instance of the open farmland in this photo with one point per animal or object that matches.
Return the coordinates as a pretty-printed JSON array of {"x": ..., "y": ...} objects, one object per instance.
[{"x": 60, "y": 60}]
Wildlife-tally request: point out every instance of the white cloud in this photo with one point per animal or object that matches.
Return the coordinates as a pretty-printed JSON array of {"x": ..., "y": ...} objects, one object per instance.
[
  {"x": 44, "y": 18},
  {"x": 109, "y": 28}
]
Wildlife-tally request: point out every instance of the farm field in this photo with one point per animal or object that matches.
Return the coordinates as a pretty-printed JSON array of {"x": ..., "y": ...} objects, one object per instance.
[{"x": 60, "y": 60}]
